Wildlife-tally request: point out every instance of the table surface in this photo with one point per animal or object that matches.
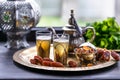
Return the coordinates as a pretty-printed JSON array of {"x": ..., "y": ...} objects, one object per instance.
[{"x": 12, "y": 70}]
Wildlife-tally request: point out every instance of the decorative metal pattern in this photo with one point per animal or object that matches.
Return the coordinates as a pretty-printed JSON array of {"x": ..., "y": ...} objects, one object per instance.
[
  {"x": 16, "y": 19},
  {"x": 7, "y": 15}
]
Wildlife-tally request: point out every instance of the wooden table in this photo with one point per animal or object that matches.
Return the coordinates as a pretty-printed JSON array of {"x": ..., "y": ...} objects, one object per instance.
[{"x": 12, "y": 70}]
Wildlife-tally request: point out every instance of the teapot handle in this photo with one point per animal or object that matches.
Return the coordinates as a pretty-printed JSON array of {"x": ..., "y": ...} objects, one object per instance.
[{"x": 93, "y": 30}]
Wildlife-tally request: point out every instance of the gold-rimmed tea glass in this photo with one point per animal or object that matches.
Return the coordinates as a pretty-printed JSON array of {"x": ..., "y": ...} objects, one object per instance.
[
  {"x": 60, "y": 45},
  {"x": 43, "y": 42}
]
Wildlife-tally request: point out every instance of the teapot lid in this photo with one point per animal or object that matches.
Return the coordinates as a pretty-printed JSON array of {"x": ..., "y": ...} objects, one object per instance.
[{"x": 69, "y": 28}]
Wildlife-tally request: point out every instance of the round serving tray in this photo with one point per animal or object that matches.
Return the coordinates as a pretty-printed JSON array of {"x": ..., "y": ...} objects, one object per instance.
[{"x": 23, "y": 57}]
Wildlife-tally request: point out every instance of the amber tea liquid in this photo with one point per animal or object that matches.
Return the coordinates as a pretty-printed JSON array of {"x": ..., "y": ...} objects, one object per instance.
[
  {"x": 61, "y": 50},
  {"x": 43, "y": 46}
]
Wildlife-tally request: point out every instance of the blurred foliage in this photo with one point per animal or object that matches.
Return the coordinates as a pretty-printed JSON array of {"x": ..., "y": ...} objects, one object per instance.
[{"x": 107, "y": 33}]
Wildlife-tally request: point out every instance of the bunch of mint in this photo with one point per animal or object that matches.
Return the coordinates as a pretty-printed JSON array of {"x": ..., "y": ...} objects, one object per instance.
[{"x": 107, "y": 33}]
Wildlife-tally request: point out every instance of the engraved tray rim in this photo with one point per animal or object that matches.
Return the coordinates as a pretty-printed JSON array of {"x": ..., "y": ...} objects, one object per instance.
[{"x": 20, "y": 57}]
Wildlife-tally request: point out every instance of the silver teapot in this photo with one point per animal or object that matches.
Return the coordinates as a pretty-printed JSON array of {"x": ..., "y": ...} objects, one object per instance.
[
  {"x": 76, "y": 33},
  {"x": 77, "y": 39}
]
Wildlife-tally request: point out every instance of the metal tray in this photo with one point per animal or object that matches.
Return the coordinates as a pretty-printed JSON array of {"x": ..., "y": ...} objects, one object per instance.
[{"x": 23, "y": 57}]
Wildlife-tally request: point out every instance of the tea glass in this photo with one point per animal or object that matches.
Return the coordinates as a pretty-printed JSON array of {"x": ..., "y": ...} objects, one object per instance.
[
  {"x": 43, "y": 42},
  {"x": 61, "y": 45}
]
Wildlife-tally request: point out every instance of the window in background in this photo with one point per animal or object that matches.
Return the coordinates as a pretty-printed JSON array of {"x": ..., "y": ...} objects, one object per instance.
[
  {"x": 57, "y": 12},
  {"x": 117, "y": 10}
]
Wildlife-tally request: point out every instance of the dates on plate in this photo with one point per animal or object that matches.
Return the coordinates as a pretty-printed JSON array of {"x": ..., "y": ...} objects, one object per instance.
[
  {"x": 72, "y": 64},
  {"x": 56, "y": 64},
  {"x": 45, "y": 62},
  {"x": 115, "y": 55}
]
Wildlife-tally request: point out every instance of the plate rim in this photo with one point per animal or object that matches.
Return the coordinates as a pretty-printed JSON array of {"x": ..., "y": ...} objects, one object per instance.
[{"x": 17, "y": 59}]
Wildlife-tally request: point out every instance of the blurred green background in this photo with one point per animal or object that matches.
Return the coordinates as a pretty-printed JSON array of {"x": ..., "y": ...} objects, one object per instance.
[
  {"x": 57, "y": 12},
  {"x": 57, "y": 21}
]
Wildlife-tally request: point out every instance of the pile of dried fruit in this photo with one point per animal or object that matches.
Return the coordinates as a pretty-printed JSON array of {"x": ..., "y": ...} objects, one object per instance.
[
  {"x": 104, "y": 55},
  {"x": 49, "y": 62}
]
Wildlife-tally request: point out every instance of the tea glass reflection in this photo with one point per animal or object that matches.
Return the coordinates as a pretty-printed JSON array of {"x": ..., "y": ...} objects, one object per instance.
[
  {"x": 43, "y": 41},
  {"x": 60, "y": 45}
]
